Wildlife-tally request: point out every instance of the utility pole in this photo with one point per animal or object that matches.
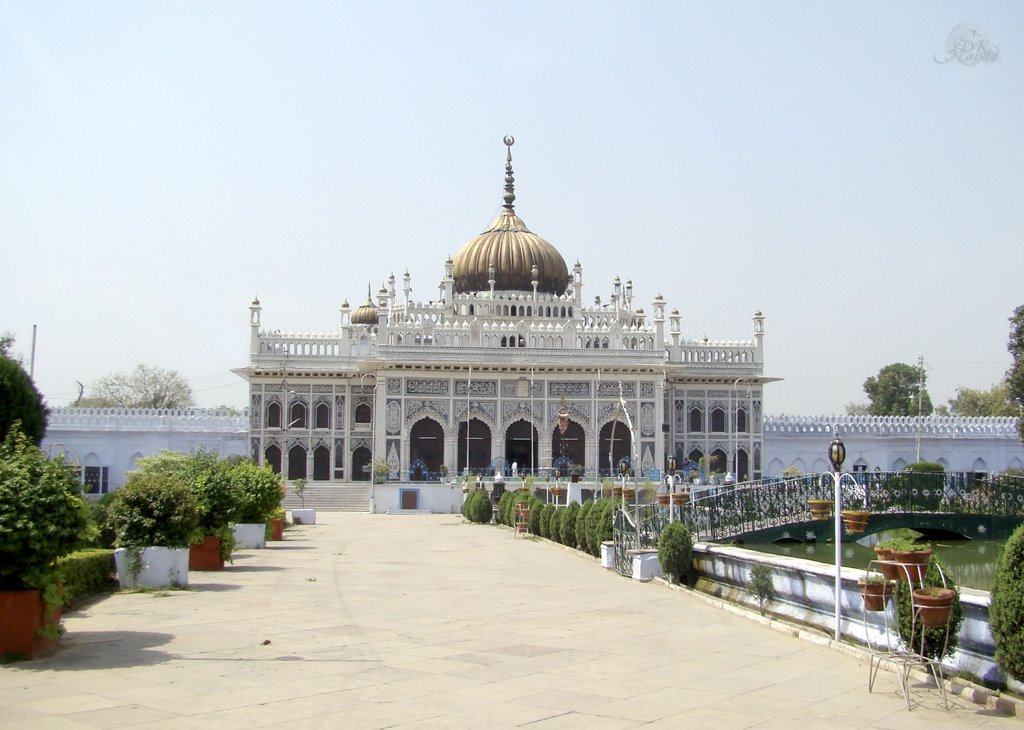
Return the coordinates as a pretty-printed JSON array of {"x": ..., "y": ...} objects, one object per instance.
[{"x": 920, "y": 397}]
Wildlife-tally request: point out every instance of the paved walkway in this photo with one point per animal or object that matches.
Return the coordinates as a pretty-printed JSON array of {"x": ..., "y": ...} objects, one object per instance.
[{"x": 374, "y": 621}]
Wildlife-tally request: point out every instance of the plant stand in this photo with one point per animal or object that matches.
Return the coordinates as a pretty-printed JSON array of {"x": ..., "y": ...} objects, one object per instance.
[
  {"x": 522, "y": 524},
  {"x": 891, "y": 649}
]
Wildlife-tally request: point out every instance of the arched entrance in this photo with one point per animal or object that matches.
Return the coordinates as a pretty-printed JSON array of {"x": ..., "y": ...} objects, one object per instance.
[
  {"x": 321, "y": 464},
  {"x": 521, "y": 446},
  {"x": 717, "y": 462},
  {"x": 742, "y": 466},
  {"x": 621, "y": 449},
  {"x": 426, "y": 444},
  {"x": 361, "y": 469},
  {"x": 568, "y": 449},
  {"x": 297, "y": 462},
  {"x": 479, "y": 443},
  {"x": 272, "y": 458}
]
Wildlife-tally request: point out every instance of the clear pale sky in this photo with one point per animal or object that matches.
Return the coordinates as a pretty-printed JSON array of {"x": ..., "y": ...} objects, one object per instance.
[{"x": 160, "y": 164}]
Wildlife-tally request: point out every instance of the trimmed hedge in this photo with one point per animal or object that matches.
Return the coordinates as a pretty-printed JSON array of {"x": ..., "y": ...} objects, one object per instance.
[
  {"x": 567, "y": 524},
  {"x": 599, "y": 525},
  {"x": 85, "y": 572},
  {"x": 581, "y": 526},
  {"x": 1006, "y": 614},
  {"x": 675, "y": 552},
  {"x": 477, "y": 506},
  {"x": 547, "y": 511}
]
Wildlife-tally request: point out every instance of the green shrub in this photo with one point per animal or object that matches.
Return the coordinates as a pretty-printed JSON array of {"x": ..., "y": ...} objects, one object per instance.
[
  {"x": 928, "y": 467},
  {"x": 259, "y": 491},
  {"x": 675, "y": 552},
  {"x": 1006, "y": 614},
  {"x": 933, "y": 638},
  {"x": 581, "y": 527},
  {"x": 85, "y": 572},
  {"x": 42, "y": 513},
  {"x": 477, "y": 506},
  {"x": 535, "y": 511},
  {"x": 567, "y": 526},
  {"x": 546, "y": 513},
  {"x": 217, "y": 495},
  {"x": 760, "y": 585},
  {"x": 98, "y": 509},
  {"x": 599, "y": 525},
  {"x": 154, "y": 509}
]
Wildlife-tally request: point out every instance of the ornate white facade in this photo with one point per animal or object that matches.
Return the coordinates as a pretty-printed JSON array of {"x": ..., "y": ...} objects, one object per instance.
[{"x": 510, "y": 365}]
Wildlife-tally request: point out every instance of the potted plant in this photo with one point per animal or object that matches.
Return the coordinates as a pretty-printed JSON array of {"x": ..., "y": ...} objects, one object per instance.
[
  {"x": 302, "y": 516},
  {"x": 154, "y": 518},
  {"x": 276, "y": 526},
  {"x": 933, "y": 605},
  {"x": 932, "y": 642},
  {"x": 912, "y": 560},
  {"x": 42, "y": 517},
  {"x": 855, "y": 518},
  {"x": 380, "y": 471},
  {"x": 820, "y": 509},
  {"x": 216, "y": 497},
  {"x": 259, "y": 494},
  {"x": 575, "y": 473},
  {"x": 876, "y": 590}
]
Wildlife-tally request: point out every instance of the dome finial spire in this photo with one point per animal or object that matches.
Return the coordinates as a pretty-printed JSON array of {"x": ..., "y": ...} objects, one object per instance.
[{"x": 510, "y": 195}]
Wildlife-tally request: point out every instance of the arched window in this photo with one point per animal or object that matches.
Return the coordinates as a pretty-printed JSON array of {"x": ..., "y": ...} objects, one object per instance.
[
  {"x": 363, "y": 413},
  {"x": 741, "y": 420},
  {"x": 717, "y": 420},
  {"x": 274, "y": 416},
  {"x": 297, "y": 462},
  {"x": 272, "y": 458},
  {"x": 323, "y": 415},
  {"x": 696, "y": 420},
  {"x": 297, "y": 416}
]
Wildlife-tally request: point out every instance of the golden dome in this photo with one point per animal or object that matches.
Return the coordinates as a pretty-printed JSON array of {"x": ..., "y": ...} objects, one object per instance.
[
  {"x": 367, "y": 313},
  {"x": 512, "y": 251}
]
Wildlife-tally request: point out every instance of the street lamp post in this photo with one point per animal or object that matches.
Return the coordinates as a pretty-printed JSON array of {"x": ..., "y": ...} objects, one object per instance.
[
  {"x": 373, "y": 412},
  {"x": 735, "y": 415},
  {"x": 671, "y": 488},
  {"x": 837, "y": 455}
]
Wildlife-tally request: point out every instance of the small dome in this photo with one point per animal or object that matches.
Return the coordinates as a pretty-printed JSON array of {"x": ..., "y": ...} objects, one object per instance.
[
  {"x": 516, "y": 255},
  {"x": 366, "y": 314}
]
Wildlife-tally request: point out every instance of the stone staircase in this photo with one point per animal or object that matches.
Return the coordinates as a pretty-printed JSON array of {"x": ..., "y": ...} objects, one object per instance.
[{"x": 331, "y": 497}]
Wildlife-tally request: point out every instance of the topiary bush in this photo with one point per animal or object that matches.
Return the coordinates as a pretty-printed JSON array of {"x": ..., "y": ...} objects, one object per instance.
[
  {"x": 154, "y": 509},
  {"x": 933, "y": 638},
  {"x": 675, "y": 552},
  {"x": 535, "y": 510},
  {"x": 477, "y": 506},
  {"x": 567, "y": 526},
  {"x": 599, "y": 525},
  {"x": 581, "y": 526},
  {"x": 85, "y": 572},
  {"x": 259, "y": 491},
  {"x": 43, "y": 515},
  {"x": 1006, "y": 615},
  {"x": 546, "y": 513}
]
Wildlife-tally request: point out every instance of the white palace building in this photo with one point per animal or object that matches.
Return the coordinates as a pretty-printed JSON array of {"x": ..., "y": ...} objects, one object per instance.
[
  {"x": 512, "y": 370},
  {"x": 512, "y": 365}
]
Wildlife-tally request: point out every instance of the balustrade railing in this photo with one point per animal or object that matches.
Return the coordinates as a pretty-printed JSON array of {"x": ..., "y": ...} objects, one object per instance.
[{"x": 716, "y": 513}]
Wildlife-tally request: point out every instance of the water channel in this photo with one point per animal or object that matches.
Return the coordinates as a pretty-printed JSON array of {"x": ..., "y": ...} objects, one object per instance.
[{"x": 972, "y": 562}]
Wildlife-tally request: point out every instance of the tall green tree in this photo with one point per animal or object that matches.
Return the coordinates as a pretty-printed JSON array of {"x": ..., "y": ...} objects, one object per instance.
[
  {"x": 20, "y": 401},
  {"x": 1015, "y": 375},
  {"x": 992, "y": 402},
  {"x": 895, "y": 391}
]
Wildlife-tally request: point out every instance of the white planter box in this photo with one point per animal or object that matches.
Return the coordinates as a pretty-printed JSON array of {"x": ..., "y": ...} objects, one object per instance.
[
  {"x": 646, "y": 565},
  {"x": 304, "y": 516},
  {"x": 608, "y": 555},
  {"x": 250, "y": 535},
  {"x": 157, "y": 567}
]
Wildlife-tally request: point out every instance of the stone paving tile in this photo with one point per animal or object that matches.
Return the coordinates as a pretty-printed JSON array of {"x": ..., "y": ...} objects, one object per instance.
[{"x": 378, "y": 621}]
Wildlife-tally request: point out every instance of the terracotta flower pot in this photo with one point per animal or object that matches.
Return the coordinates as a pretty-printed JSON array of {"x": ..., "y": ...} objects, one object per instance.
[
  {"x": 876, "y": 593},
  {"x": 820, "y": 509},
  {"x": 855, "y": 520},
  {"x": 23, "y": 613},
  {"x": 934, "y": 605},
  {"x": 663, "y": 499},
  {"x": 885, "y": 565},
  {"x": 277, "y": 529},
  {"x": 912, "y": 564},
  {"x": 616, "y": 492},
  {"x": 630, "y": 494},
  {"x": 679, "y": 499},
  {"x": 205, "y": 555}
]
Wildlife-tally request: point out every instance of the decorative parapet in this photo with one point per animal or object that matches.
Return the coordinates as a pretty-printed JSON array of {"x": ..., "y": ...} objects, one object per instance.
[
  {"x": 933, "y": 426},
  {"x": 210, "y": 420}
]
